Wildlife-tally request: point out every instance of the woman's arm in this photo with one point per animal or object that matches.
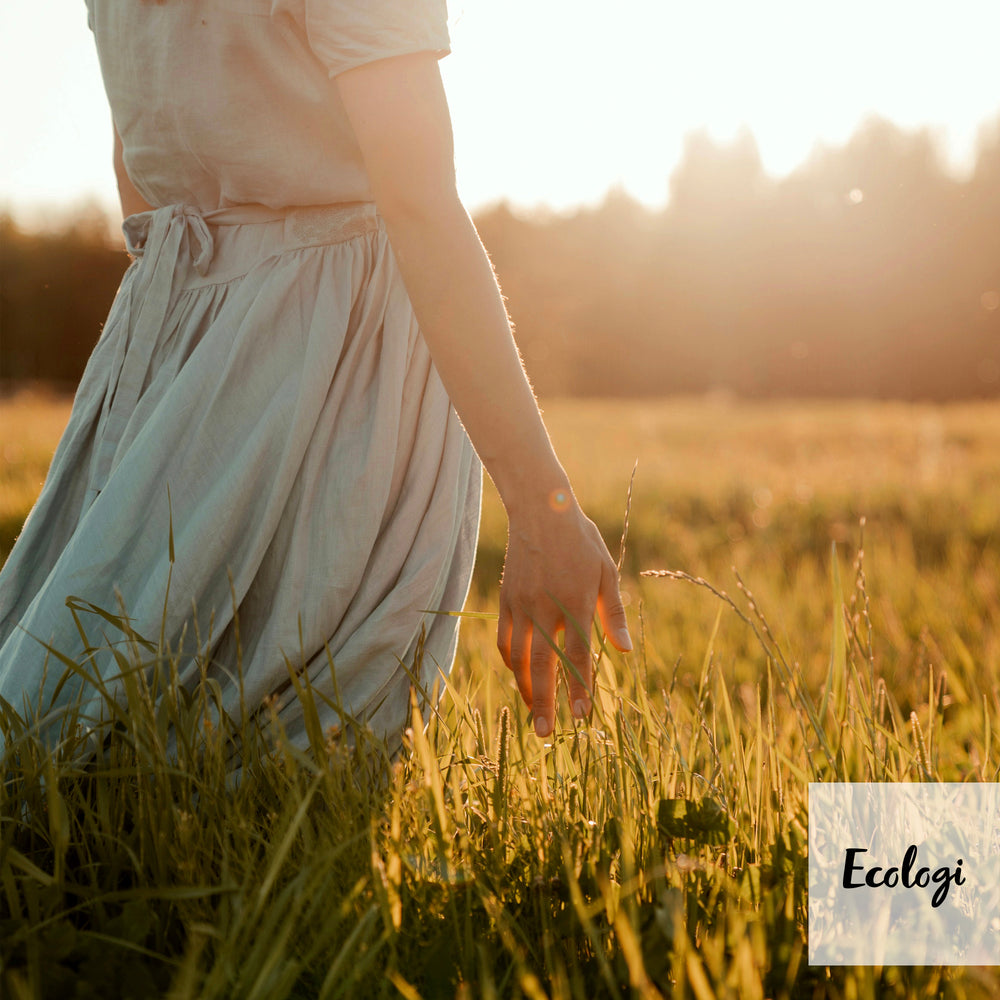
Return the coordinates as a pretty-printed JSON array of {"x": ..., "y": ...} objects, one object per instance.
[
  {"x": 557, "y": 570},
  {"x": 131, "y": 200}
]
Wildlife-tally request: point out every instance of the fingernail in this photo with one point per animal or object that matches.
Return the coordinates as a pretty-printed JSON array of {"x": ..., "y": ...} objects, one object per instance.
[
  {"x": 581, "y": 707},
  {"x": 628, "y": 641},
  {"x": 542, "y": 726}
]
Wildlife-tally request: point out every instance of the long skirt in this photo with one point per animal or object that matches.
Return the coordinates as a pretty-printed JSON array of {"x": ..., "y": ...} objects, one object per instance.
[{"x": 262, "y": 423}]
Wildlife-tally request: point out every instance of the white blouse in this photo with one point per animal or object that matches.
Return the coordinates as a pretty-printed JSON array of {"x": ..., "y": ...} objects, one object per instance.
[{"x": 232, "y": 102}]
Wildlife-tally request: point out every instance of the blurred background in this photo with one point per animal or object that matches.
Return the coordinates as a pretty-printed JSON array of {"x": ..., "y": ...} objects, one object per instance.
[{"x": 769, "y": 200}]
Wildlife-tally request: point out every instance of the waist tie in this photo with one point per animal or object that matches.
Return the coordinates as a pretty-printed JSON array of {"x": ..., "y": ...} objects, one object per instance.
[
  {"x": 157, "y": 240},
  {"x": 166, "y": 242}
]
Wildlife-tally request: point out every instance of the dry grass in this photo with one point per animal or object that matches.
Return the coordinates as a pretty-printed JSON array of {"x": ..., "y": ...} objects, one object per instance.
[
  {"x": 660, "y": 852},
  {"x": 31, "y": 422}
]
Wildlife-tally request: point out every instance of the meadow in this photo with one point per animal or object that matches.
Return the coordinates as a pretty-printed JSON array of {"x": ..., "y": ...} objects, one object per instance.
[{"x": 815, "y": 593}]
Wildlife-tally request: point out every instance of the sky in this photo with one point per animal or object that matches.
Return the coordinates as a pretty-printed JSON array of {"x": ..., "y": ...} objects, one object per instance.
[{"x": 554, "y": 102}]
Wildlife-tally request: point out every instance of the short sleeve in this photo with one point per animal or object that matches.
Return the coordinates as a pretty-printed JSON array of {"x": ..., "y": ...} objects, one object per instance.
[{"x": 345, "y": 34}]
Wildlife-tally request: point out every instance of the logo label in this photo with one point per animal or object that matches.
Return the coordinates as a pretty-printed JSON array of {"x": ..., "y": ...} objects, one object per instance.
[{"x": 904, "y": 874}]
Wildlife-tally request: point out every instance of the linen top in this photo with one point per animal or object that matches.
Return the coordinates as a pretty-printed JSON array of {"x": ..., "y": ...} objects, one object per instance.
[{"x": 232, "y": 102}]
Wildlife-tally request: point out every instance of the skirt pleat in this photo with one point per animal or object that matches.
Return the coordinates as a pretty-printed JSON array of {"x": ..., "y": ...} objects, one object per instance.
[{"x": 291, "y": 437}]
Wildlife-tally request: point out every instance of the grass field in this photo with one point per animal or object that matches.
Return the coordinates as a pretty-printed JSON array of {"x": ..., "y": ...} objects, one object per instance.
[{"x": 660, "y": 851}]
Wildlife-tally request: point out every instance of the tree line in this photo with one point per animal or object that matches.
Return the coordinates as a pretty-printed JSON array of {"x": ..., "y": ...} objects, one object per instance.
[
  {"x": 869, "y": 271},
  {"x": 55, "y": 292}
]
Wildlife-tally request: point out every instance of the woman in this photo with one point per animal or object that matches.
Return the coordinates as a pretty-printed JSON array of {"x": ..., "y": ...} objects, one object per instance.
[{"x": 262, "y": 400}]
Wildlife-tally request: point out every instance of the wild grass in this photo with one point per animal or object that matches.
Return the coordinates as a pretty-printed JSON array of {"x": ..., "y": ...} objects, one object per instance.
[
  {"x": 659, "y": 851},
  {"x": 30, "y": 425}
]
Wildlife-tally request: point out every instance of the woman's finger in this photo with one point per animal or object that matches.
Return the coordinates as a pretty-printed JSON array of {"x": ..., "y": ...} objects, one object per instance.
[
  {"x": 580, "y": 668},
  {"x": 543, "y": 679},
  {"x": 611, "y": 610},
  {"x": 520, "y": 654}
]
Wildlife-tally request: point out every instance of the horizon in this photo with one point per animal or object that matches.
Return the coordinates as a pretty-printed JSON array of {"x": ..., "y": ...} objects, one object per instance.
[{"x": 54, "y": 217}]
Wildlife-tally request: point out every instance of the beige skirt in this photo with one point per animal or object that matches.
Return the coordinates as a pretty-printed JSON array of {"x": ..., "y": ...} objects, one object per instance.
[{"x": 261, "y": 392}]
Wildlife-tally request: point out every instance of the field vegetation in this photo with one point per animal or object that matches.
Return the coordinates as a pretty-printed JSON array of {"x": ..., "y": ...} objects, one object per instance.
[{"x": 815, "y": 594}]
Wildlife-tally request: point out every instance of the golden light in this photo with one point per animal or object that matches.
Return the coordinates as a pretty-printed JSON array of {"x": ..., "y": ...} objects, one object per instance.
[{"x": 556, "y": 101}]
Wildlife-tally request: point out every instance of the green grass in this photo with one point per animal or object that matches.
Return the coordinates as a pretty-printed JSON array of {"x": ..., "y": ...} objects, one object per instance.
[{"x": 660, "y": 851}]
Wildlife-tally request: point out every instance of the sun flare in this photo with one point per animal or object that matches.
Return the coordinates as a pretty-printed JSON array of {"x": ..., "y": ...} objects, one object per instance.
[{"x": 556, "y": 101}]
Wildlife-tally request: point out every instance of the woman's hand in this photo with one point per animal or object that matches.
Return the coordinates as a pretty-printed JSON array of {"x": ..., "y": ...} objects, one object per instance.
[{"x": 557, "y": 573}]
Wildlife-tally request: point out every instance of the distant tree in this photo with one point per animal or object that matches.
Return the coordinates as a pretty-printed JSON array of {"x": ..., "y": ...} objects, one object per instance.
[
  {"x": 55, "y": 291},
  {"x": 869, "y": 271}
]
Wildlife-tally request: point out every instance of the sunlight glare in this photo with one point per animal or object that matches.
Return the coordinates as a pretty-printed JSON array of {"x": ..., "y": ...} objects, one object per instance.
[
  {"x": 556, "y": 101},
  {"x": 602, "y": 95}
]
